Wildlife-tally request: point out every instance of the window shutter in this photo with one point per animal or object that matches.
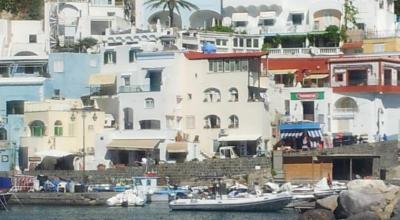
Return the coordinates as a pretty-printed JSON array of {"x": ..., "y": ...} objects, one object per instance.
[
  {"x": 114, "y": 57},
  {"x": 105, "y": 57}
]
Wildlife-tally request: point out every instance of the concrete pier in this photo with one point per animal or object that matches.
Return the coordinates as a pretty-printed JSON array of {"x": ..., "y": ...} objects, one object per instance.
[{"x": 69, "y": 199}]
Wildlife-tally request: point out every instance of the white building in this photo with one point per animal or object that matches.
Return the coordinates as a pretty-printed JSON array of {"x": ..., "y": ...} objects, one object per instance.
[
  {"x": 68, "y": 21},
  {"x": 22, "y": 38}
]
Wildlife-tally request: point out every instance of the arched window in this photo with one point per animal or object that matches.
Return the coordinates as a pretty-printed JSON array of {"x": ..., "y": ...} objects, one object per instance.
[
  {"x": 58, "y": 129},
  {"x": 149, "y": 103},
  {"x": 37, "y": 128},
  {"x": 346, "y": 104},
  {"x": 212, "y": 95},
  {"x": 233, "y": 121},
  {"x": 3, "y": 134},
  {"x": 212, "y": 121},
  {"x": 128, "y": 119},
  {"x": 234, "y": 95}
]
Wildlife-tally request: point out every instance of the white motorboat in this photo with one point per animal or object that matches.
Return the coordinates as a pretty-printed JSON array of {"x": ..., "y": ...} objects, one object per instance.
[
  {"x": 127, "y": 198},
  {"x": 264, "y": 203}
]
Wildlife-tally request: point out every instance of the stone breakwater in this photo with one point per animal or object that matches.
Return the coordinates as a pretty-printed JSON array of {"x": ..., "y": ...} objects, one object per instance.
[{"x": 364, "y": 199}]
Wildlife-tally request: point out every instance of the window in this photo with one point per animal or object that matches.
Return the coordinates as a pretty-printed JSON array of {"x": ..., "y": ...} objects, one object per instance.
[
  {"x": 3, "y": 134},
  {"x": 212, "y": 121},
  {"x": 149, "y": 103},
  {"x": 110, "y": 57},
  {"x": 346, "y": 104},
  {"x": 190, "y": 122},
  {"x": 170, "y": 122},
  {"x": 268, "y": 22},
  {"x": 58, "y": 66},
  {"x": 233, "y": 121},
  {"x": 149, "y": 124},
  {"x": 127, "y": 80},
  {"x": 56, "y": 92},
  {"x": 32, "y": 38},
  {"x": 226, "y": 66},
  {"x": 245, "y": 64},
  {"x": 398, "y": 77},
  {"x": 235, "y": 42},
  {"x": 357, "y": 77},
  {"x": 212, "y": 95},
  {"x": 255, "y": 43},
  {"x": 241, "y": 42},
  {"x": 248, "y": 42},
  {"x": 132, "y": 55},
  {"x": 378, "y": 48},
  {"x": 339, "y": 77},
  {"x": 297, "y": 19},
  {"x": 128, "y": 119},
  {"x": 58, "y": 129},
  {"x": 234, "y": 95},
  {"x": 37, "y": 129},
  {"x": 15, "y": 107}
]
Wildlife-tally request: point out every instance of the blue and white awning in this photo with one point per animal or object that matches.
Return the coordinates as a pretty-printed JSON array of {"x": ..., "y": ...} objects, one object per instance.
[
  {"x": 314, "y": 133},
  {"x": 294, "y": 134}
]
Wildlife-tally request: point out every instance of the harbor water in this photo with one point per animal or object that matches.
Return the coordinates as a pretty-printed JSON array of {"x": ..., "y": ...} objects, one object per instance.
[{"x": 152, "y": 211}]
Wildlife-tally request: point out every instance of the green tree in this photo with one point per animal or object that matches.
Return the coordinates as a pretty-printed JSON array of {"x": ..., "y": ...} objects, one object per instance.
[
  {"x": 84, "y": 44},
  {"x": 171, "y": 5},
  {"x": 332, "y": 35}
]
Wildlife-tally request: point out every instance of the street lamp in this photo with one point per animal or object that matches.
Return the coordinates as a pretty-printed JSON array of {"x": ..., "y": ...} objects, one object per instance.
[{"x": 84, "y": 112}]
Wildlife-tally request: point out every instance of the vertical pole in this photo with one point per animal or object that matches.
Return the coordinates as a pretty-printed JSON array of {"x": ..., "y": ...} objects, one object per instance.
[
  {"x": 83, "y": 142},
  {"x": 351, "y": 168}
]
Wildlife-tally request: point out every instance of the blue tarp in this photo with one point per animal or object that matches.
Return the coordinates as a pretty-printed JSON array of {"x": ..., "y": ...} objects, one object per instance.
[
  {"x": 299, "y": 126},
  {"x": 5, "y": 183}
]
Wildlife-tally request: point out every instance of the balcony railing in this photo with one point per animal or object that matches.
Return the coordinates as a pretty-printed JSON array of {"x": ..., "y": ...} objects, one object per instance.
[
  {"x": 358, "y": 82},
  {"x": 304, "y": 51},
  {"x": 137, "y": 88}
]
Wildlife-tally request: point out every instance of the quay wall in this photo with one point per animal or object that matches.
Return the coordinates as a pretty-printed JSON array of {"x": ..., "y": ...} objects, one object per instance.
[
  {"x": 189, "y": 172},
  {"x": 70, "y": 199}
]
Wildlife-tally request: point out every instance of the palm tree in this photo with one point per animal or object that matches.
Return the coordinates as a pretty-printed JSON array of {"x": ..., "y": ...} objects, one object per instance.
[{"x": 171, "y": 5}]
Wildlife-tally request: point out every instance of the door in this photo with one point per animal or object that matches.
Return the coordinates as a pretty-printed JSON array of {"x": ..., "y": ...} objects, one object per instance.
[{"x": 308, "y": 110}]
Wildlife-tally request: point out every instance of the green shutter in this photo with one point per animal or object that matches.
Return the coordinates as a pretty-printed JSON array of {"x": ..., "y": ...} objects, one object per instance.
[{"x": 114, "y": 57}]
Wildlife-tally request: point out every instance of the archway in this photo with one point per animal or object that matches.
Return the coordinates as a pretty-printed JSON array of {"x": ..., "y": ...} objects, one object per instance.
[{"x": 204, "y": 18}]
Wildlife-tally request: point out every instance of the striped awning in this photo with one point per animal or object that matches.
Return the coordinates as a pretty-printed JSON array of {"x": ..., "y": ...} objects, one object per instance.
[
  {"x": 297, "y": 134},
  {"x": 314, "y": 133},
  {"x": 294, "y": 134}
]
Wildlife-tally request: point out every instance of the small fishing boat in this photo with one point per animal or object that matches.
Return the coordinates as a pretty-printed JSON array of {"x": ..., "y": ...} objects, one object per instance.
[
  {"x": 264, "y": 203},
  {"x": 125, "y": 199}
]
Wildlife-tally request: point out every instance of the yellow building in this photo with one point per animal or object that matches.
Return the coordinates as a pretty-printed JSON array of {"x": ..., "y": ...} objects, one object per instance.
[
  {"x": 59, "y": 127},
  {"x": 379, "y": 45}
]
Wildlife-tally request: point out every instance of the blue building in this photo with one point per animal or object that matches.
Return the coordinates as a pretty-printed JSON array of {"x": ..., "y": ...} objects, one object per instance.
[{"x": 70, "y": 72}]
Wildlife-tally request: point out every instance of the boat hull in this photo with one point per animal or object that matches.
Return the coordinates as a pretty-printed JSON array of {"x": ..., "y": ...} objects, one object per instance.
[
  {"x": 4, "y": 197},
  {"x": 241, "y": 205}
]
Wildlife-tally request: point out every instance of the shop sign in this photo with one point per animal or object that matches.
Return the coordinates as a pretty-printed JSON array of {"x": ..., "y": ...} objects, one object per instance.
[{"x": 306, "y": 95}]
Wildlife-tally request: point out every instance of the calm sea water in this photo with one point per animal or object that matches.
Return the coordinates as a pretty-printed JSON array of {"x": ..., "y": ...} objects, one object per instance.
[{"x": 153, "y": 211}]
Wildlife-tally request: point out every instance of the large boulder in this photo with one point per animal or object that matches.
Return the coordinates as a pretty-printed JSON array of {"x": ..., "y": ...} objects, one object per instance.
[
  {"x": 364, "y": 216},
  {"x": 329, "y": 203},
  {"x": 396, "y": 211},
  {"x": 354, "y": 202},
  {"x": 369, "y": 186},
  {"x": 317, "y": 214}
]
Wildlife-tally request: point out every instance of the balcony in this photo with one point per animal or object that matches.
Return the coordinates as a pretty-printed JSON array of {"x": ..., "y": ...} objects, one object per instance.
[
  {"x": 139, "y": 88},
  {"x": 304, "y": 51}
]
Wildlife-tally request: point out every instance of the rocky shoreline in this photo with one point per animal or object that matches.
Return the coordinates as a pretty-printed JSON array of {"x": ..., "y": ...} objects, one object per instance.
[{"x": 363, "y": 200}]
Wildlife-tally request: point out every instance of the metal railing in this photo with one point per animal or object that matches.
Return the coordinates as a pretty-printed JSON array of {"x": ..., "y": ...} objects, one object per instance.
[{"x": 137, "y": 88}]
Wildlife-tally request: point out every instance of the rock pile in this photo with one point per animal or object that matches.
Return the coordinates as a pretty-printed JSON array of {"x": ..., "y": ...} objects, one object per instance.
[{"x": 364, "y": 199}]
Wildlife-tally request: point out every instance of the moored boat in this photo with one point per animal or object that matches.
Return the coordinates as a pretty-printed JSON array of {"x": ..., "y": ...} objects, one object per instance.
[{"x": 265, "y": 203}]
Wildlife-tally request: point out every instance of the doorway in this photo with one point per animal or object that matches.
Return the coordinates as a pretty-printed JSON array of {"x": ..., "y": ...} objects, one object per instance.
[{"x": 308, "y": 110}]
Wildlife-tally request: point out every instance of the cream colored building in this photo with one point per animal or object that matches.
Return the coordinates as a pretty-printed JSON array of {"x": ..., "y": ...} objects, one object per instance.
[
  {"x": 223, "y": 102},
  {"x": 60, "y": 127}
]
